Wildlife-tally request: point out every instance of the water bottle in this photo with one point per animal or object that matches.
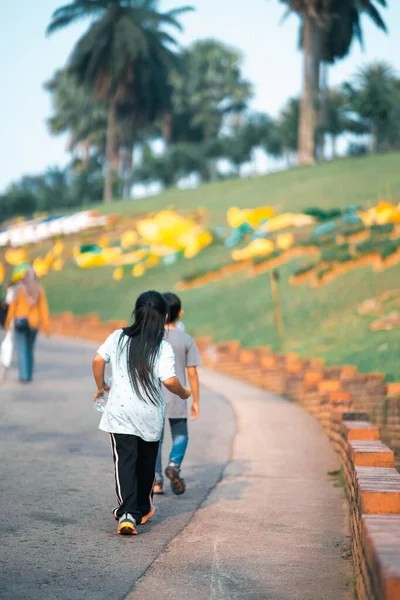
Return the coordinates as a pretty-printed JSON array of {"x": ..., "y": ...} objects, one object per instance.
[{"x": 101, "y": 401}]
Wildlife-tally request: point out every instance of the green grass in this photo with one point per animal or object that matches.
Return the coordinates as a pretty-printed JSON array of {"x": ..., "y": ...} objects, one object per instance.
[
  {"x": 321, "y": 322},
  {"x": 330, "y": 185}
]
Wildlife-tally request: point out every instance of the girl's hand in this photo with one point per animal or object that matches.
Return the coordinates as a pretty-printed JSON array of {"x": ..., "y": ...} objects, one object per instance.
[
  {"x": 100, "y": 391},
  {"x": 195, "y": 411}
]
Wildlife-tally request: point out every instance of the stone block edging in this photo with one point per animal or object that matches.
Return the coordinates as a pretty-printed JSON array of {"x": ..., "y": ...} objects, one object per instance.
[{"x": 359, "y": 412}]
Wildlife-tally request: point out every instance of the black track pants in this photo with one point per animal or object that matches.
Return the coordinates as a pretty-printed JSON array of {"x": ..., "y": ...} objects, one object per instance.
[{"x": 135, "y": 463}]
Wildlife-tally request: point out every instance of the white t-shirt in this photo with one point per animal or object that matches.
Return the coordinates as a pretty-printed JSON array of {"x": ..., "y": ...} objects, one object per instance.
[{"x": 125, "y": 412}]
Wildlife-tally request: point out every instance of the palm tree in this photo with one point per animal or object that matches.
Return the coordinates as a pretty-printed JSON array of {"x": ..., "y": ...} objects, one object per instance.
[
  {"x": 337, "y": 117},
  {"x": 345, "y": 26},
  {"x": 375, "y": 97},
  {"x": 77, "y": 113},
  {"x": 327, "y": 30},
  {"x": 209, "y": 87},
  {"x": 281, "y": 139},
  {"x": 288, "y": 129},
  {"x": 124, "y": 58}
]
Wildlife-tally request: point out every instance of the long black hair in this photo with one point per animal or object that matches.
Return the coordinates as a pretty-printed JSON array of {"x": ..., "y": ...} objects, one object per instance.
[{"x": 144, "y": 341}]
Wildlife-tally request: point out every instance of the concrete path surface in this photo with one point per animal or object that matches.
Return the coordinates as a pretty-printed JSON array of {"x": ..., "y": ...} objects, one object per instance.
[{"x": 260, "y": 518}]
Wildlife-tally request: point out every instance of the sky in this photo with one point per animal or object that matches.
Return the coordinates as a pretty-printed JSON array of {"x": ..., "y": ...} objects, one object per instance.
[{"x": 271, "y": 61}]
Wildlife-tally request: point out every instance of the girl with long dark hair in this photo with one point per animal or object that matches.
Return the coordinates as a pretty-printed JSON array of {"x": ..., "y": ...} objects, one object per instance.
[{"x": 134, "y": 414}]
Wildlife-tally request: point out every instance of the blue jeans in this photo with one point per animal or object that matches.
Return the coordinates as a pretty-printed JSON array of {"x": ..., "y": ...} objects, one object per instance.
[
  {"x": 180, "y": 438},
  {"x": 24, "y": 344}
]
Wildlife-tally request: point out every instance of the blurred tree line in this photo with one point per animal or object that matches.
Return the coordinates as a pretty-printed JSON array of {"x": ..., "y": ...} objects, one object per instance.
[{"x": 137, "y": 109}]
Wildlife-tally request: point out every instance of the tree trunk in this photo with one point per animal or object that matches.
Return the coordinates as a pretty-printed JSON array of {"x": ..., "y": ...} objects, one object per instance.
[
  {"x": 110, "y": 150},
  {"x": 309, "y": 104},
  {"x": 253, "y": 161},
  {"x": 213, "y": 170},
  {"x": 374, "y": 138},
  {"x": 127, "y": 170},
  {"x": 204, "y": 172},
  {"x": 322, "y": 113},
  {"x": 167, "y": 129},
  {"x": 86, "y": 154},
  {"x": 334, "y": 150}
]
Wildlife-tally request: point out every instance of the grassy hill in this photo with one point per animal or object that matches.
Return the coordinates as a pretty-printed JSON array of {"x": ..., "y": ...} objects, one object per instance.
[
  {"x": 334, "y": 184},
  {"x": 319, "y": 322}
]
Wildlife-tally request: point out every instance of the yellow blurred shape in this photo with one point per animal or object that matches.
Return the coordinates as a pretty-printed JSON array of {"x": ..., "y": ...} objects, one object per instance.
[
  {"x": 41, "y": 267},
  {"x": 107, "y": 256},
  {"x": 152, "y": 261},
  {"x": 104, "y": 241},
  {"x": 382, "y": 213},
  {"x": 2, "y": 273},
  {"x": 196, "y": 243},
  {"x": 138, "y": 270},
  {"x": 128, "y": 239},
  {"x": 159, "y": 250},
  {"x": 15, "y": 256},
  {"x": 167, "y": 229},
  {"x": 258, "y": 247},
  {"x": 58, "y": 248},
  {"x": 58, "y": 264},
  {"x": 253, "y": 216},
  {"x": 111, "y": 254},
  {"x": 164, "y": 228},
  {"x": 118, "y": 273},
  {"x": 130, "y": 258},
  {"x": 87, "y": 260},
  {"x": 48, "y": 259},
  {"x": 287, "y": 220},
  {"x": 285, "y": 241}
]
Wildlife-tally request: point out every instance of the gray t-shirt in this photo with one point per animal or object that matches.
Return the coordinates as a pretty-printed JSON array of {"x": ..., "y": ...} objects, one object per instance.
[{"x": 186, "y": 355}]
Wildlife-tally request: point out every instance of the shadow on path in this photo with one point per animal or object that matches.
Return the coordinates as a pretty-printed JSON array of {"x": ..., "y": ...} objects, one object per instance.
[{"x": 58, "y": 536}]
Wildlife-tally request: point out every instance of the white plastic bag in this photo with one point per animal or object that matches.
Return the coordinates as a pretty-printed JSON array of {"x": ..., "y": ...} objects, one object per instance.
[{"x": 7, "y": 348}]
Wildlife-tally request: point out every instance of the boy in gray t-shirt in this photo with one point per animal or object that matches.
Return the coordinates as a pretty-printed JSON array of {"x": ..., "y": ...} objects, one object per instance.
[{"x": 187, "y": 359}]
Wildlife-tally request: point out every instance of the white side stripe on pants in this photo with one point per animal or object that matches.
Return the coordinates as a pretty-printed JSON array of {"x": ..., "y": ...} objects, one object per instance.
[{"x": 116, "y": 459}]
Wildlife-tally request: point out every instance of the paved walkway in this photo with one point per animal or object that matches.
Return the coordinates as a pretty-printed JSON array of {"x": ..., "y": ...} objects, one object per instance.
[{"x": 260, "y": 520}]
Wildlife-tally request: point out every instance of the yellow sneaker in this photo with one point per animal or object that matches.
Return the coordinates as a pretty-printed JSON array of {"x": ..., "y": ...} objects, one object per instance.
[{"x": 127, "y": 525}]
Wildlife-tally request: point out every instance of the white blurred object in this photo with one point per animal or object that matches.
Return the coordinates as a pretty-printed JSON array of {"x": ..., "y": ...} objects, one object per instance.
[
  {"x": 40, "y": 229},
  {"x": 10, "y": 294},
  {"x": 7, "y": 348}
]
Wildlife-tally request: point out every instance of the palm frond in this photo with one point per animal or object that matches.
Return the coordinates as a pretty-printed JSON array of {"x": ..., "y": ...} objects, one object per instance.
[
  {"x": 147, "y": 4},
  {"x": 77, "y": 10},
  {"x": 285, "y": 16},
  {"x": 170, "y": 17},
  {"x": 358, "y": 32},
  {"x": 177, "y": 12},
  {"x": 165, "y": 38},
  {"x": 91, "y": 55},
  {"x": 130, "y": 40},
  {"x": 375, "y": 16}
]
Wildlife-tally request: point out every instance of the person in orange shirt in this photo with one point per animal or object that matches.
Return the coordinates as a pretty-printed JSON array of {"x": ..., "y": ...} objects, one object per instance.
[{"x": 29, "y": 312}]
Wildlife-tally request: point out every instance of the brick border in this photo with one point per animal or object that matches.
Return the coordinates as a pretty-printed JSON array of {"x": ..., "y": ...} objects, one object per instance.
[{"x": 343, "y": 400}]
